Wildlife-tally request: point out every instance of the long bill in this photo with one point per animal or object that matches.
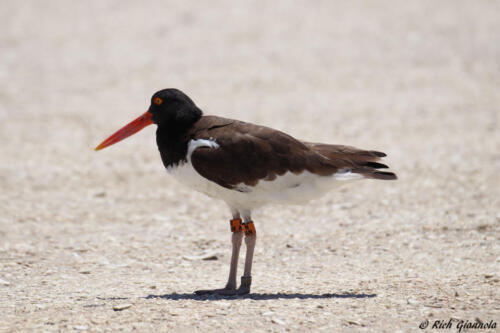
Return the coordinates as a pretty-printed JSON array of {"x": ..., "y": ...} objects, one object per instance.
[{"x": 133, "y": 127}]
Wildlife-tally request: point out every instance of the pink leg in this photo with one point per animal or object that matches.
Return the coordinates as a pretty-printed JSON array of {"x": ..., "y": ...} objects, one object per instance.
[
  {"x": 237, "y": 237},
  {"x": 250, "y": 240}
]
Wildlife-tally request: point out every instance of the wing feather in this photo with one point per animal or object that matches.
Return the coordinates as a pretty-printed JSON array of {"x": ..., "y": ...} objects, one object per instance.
[{"x": 248, "y": 153}]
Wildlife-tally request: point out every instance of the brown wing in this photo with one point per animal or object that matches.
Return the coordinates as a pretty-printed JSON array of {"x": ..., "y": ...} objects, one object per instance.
[{"x": 248, "y": 153}]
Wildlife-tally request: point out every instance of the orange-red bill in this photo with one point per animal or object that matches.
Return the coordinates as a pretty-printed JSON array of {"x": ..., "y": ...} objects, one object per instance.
[{"x": 133, "y": 127}]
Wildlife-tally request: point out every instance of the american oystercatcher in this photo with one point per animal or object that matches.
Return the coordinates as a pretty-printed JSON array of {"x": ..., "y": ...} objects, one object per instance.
[{"x": 245, "y": 165}]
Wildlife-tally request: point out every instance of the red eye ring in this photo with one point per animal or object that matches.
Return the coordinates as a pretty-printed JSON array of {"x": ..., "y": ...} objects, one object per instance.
[{"x": 158, "y": 101}]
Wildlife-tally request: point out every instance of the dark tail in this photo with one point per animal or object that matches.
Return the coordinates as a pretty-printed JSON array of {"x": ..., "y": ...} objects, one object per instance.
[
  {"x": 360, "y": 161},
  {"x": 370, "y": 170},
  {"x": 384, "y": 175}
]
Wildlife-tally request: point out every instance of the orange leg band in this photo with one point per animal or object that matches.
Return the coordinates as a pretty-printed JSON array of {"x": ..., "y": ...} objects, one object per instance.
[
  {"x": 235, "y": 225},
  {"x": 249, "y": 228}
]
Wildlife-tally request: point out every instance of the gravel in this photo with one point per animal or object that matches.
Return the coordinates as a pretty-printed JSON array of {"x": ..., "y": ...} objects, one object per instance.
[{"x": 82, "y": 232}]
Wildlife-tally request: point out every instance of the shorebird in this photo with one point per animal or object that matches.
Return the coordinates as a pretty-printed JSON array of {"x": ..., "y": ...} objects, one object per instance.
[{"x": 245, "y": 165}]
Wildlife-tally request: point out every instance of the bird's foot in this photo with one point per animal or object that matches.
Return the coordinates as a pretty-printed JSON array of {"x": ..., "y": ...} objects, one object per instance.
[
  {"x": 244, "y": 289},
  {"x": 223, "y": 291},
  {"x": 246, "y": 282}
]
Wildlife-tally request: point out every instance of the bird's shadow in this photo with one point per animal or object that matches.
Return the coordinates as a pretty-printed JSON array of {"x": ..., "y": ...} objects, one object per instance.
[{"x": 257, "y": 296}]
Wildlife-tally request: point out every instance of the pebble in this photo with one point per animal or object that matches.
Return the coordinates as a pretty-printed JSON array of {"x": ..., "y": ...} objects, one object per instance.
[
  {"x": 81, "y": 327},
  {"x": 121, "y": 307},
  {"x": 208, "y": 255},
  {"x": 277, "y": 321},
  {"x": 4, "y": 283},
  {"x": 412, "y": 301},
  {"x": 436, "y": 306},
  {"x": 354, "y": 322}
]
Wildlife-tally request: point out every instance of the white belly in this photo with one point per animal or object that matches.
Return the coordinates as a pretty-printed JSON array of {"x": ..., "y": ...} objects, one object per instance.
[{"x": 289, "y": 188}]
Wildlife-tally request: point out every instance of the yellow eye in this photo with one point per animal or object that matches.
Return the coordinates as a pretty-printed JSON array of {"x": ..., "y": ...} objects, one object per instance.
[{"x": 158, "y": 101}]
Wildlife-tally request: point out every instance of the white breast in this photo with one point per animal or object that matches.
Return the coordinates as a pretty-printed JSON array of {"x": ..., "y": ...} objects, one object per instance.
[
  {"x": 289, "y": 188},
  {"x": 187, "y": 175}
]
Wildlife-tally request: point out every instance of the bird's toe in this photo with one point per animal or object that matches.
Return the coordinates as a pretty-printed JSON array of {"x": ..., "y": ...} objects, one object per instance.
[
  {"x": 222, "y": 291},
  {"x": 243, "y": 290}
]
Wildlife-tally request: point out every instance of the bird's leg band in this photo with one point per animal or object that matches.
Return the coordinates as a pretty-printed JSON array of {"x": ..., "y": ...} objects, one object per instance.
[
  {"x": 246, "y": 281},
  {"x": 235, "y": 225},
  {"x": 249, "y": 228}
]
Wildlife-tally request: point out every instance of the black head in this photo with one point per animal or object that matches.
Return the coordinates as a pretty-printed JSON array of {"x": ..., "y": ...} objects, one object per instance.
[
  {"x": 170, "y": 109},
  {"x": 173, "y": 109}
]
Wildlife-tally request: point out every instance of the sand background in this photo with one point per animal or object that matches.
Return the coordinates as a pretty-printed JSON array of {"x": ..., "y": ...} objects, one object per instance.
[{"x": 82, "y": 232}]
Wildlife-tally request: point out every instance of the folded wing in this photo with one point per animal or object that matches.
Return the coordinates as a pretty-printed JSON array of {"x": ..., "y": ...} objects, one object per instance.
[{"x": 248, "y": 153}]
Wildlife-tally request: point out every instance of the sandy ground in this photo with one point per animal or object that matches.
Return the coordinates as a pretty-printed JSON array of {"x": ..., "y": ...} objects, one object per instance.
[{"x": 82, "y": 232}]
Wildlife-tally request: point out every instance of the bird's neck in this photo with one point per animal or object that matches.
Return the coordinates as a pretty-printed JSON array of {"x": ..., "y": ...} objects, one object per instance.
[
  {"x": 172, "y": 144},
  {"x": 173, "y": 136}
]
